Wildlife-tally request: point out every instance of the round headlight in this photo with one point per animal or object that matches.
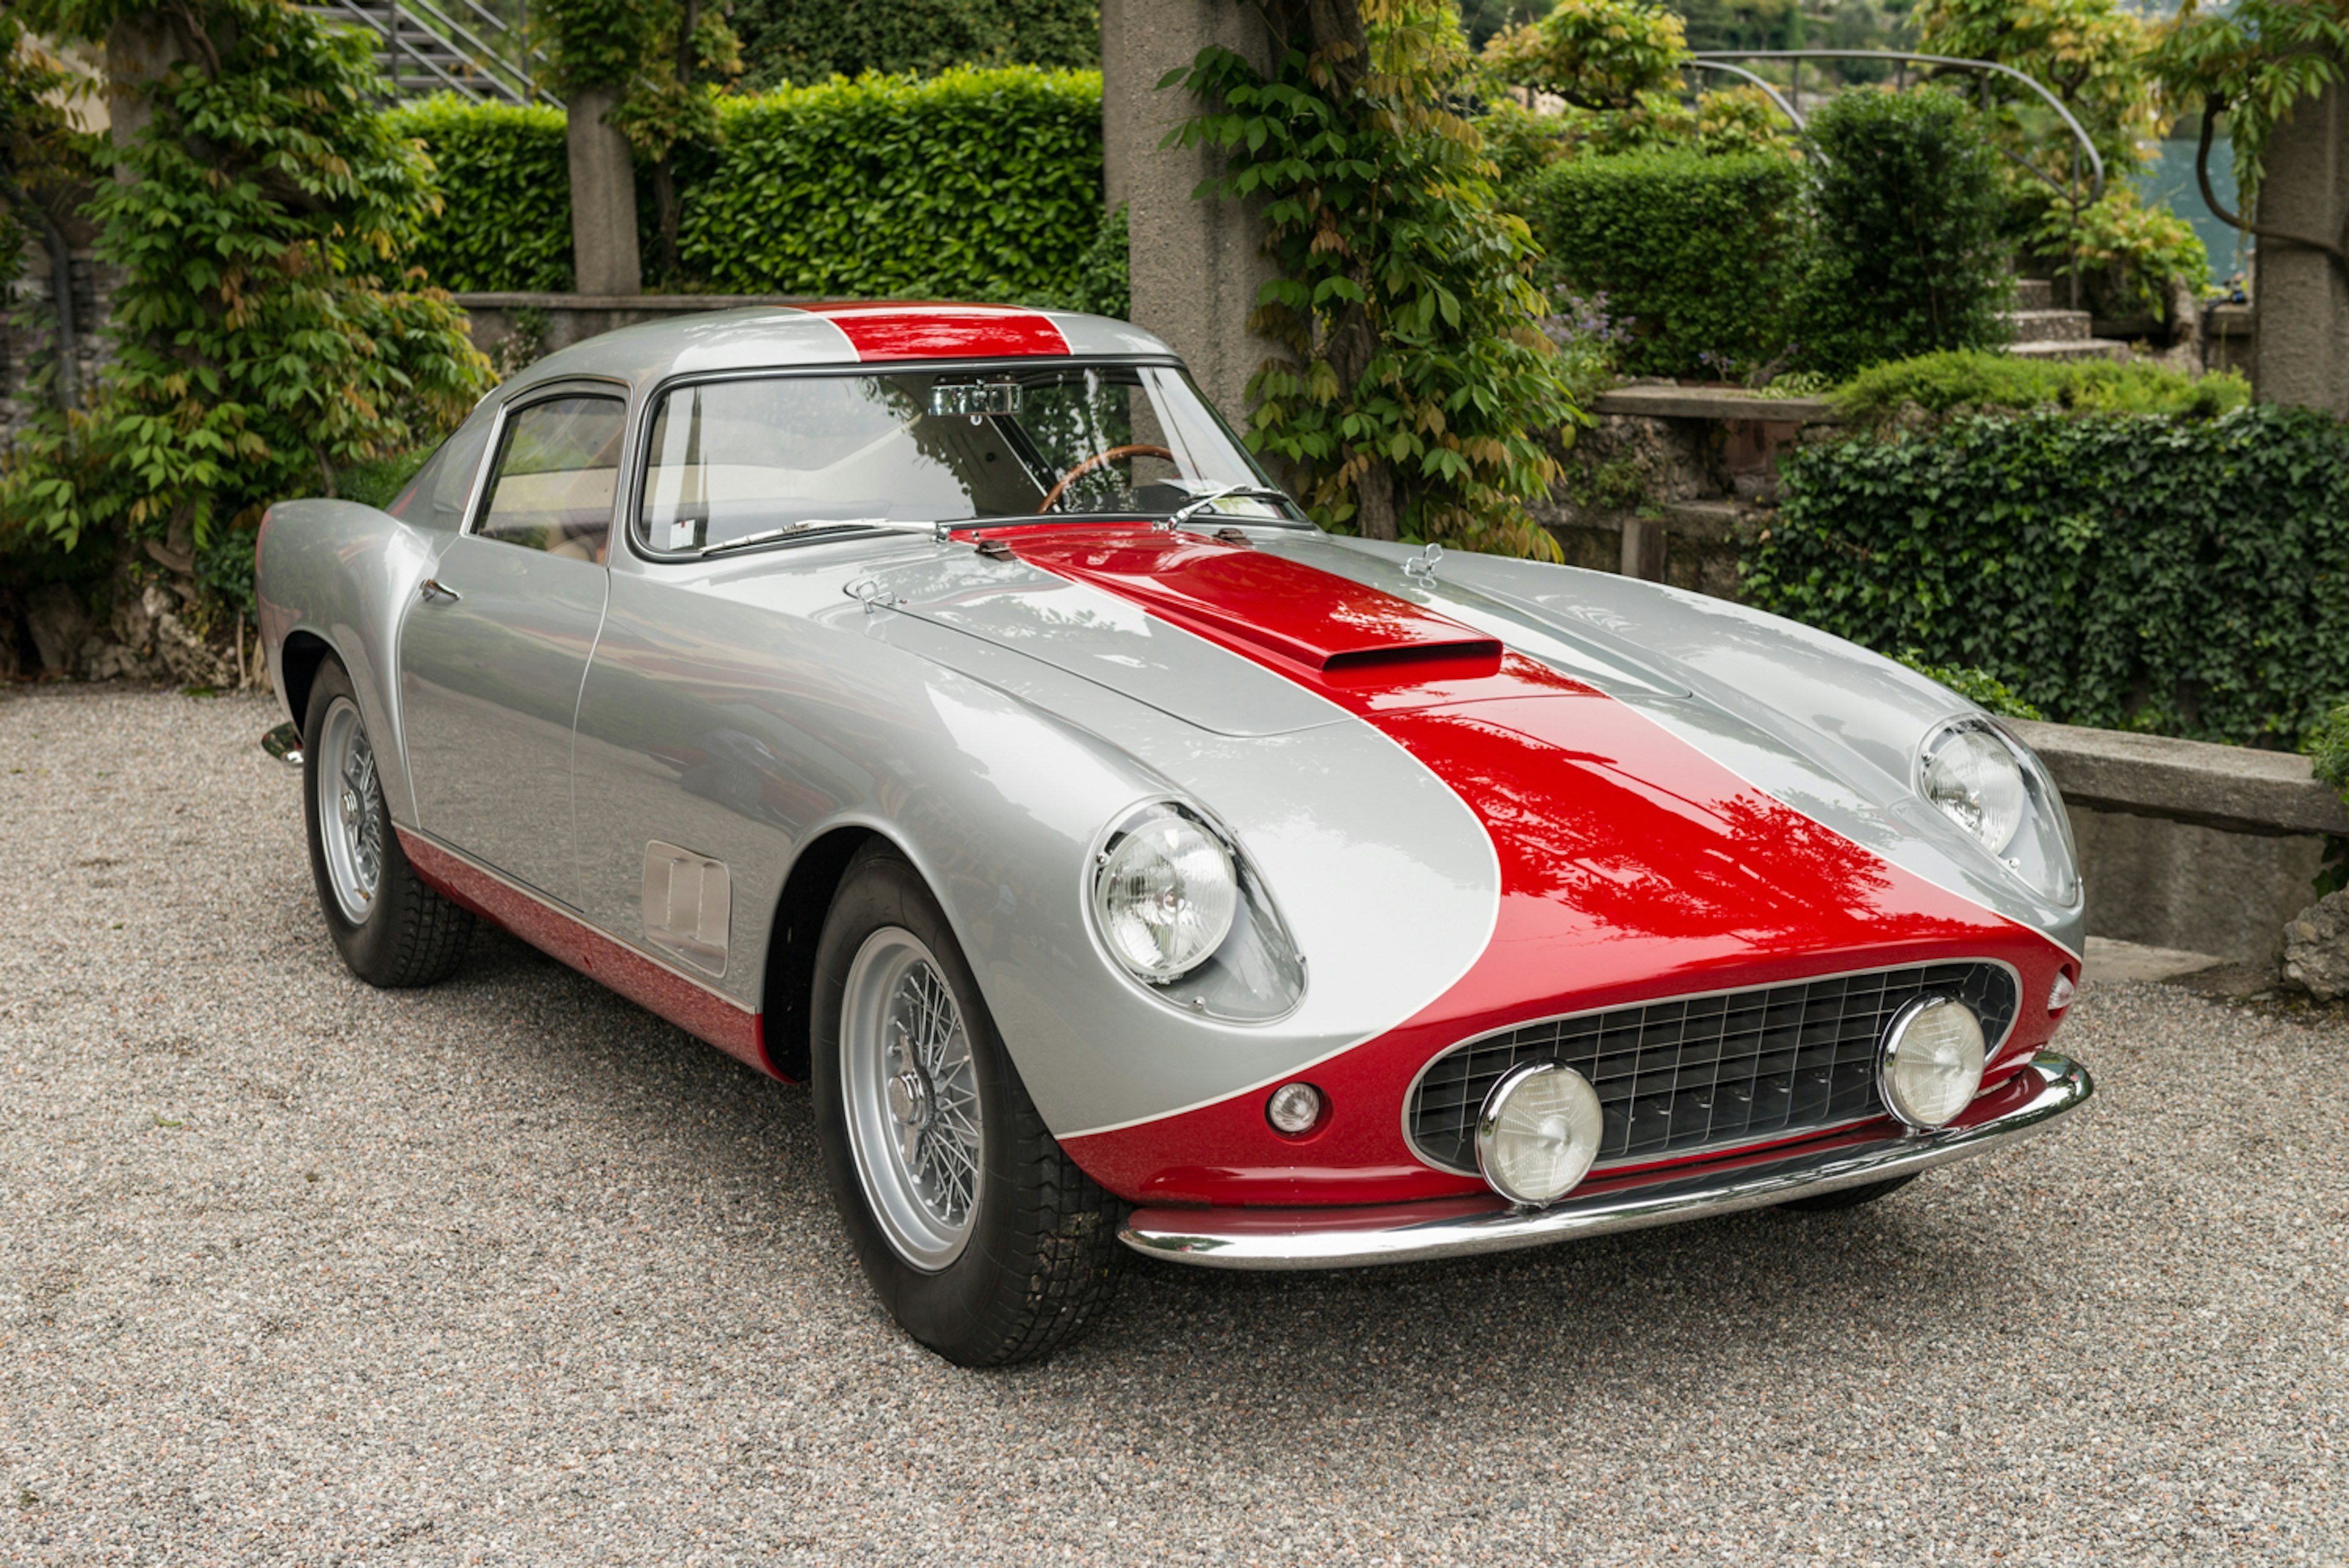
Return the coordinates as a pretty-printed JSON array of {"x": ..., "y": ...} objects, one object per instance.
[
  {"x": 1932, "y": 1061},
  {"x": 1538, "y": 1133},
  {"x": 1977, "y": 784},
  {"x": 1164, "y": 894}
]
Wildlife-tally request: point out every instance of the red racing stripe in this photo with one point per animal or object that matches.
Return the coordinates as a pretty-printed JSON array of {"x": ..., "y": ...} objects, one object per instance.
[
  {"x": 1632, "y": 865},
  {"x": 695, "y": 1009},
  {"x": 905, "y": 331}
]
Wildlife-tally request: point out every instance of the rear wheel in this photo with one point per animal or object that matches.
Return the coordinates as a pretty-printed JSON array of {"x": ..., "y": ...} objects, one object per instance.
[
  {"x": 1848, "y": 1197},
  {"x": 982, "y": 1237},
  {"x": 391, "y": 930}
]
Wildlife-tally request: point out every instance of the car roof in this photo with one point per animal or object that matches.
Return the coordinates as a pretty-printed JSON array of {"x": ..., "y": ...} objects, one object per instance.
[{"x": 846, "y": 332}]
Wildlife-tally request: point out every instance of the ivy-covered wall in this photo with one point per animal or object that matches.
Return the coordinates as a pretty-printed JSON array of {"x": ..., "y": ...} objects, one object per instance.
[
  {"x": 2189, "y": 577},
  {"x": 983, "y": 185}
]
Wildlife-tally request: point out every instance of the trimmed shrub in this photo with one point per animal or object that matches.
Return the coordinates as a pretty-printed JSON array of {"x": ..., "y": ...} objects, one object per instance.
[
  {"x": 1699, "y": 253},
  {"x": 2190, "y": 577},
  {"x": 1973, "y": 379},
  {"x": 811, "y": 40},
  {"x": 973, "y": 184},
  {"x": 505, "y": 182},
  {"x": 1905, "y": 255}
]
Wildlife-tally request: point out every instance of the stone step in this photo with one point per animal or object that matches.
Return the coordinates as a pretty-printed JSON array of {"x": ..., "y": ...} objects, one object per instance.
[
  {"x": 2071, "y": 349},
  {"x": 2034, "y": 294},
  {"x": 2051, "y": 326}
]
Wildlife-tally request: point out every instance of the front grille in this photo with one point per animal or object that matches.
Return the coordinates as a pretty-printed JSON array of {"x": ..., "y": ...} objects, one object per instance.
[{"x": 1701, "y": 1070}]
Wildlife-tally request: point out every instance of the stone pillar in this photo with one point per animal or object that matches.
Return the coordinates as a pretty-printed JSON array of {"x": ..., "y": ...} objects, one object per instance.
[
  {"x": 2301, "y": 352},
  {"x": 139, "y": 48},
  {"x": 1197, "y": 265},
  {"x": 603, "y": 198}
]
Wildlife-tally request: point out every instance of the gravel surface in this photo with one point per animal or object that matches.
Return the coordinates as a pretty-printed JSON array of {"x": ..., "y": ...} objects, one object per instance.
[{"x": 510, "y": 1272}]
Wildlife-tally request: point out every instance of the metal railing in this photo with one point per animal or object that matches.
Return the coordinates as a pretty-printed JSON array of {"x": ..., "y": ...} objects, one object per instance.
[
  {"x": 418, "y": 34},
  {"x": 2069, "y": 189}
]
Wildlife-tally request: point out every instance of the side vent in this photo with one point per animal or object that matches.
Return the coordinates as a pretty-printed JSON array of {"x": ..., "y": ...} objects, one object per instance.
[{"x": 688, "y": 905}]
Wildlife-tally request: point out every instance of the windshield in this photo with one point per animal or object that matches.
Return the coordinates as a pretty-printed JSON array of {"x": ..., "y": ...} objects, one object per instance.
[{"x": 777, "y": 454}]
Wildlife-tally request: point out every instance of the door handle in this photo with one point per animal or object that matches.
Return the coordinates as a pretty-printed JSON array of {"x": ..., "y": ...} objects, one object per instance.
[{"x": 432, "y": 588}]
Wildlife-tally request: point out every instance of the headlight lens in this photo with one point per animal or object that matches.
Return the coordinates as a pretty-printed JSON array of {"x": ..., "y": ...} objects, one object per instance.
[
  {"x": 1932, "y": 1061},
  {"x": 1976, "y": 782},
  {"x": 1983, "y": 779},
  {"x": 1538, "y": 1133},
  {"x": 1165, "y": 894}
]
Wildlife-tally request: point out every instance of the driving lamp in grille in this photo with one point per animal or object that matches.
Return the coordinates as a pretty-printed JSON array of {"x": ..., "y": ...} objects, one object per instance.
[
  {"x": 1538, "y": 1133},
  {"x": 1932, "y": 1061}
]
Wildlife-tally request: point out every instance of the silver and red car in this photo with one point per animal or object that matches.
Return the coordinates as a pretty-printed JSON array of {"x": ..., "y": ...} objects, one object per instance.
[{"x": 940, "y": 705}]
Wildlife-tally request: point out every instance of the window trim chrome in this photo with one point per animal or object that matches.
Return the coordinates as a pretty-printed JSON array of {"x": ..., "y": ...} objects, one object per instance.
[
  {"x": 476, "y": 501},
  {"x": 637, "y": 457}
]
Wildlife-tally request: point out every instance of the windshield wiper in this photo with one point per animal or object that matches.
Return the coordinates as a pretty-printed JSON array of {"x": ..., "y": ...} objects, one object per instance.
[
  {"x": 1191, "y": 509},
  {"x": 811, "y": 526}
]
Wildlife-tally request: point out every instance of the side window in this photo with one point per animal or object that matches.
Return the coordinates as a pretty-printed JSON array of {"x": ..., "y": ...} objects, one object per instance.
[
  {"x": 553, "y": 485},
  {"x": 436, "y": 497}
]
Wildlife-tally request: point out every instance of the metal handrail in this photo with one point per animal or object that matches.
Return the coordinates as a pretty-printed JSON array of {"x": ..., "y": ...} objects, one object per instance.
[
  {"x": 1719, "y": 58},
  {"x": 1784, "y": 108}
]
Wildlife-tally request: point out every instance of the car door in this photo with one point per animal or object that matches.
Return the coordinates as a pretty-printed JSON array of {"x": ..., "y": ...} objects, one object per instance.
[{"x": 498, "y": 638}]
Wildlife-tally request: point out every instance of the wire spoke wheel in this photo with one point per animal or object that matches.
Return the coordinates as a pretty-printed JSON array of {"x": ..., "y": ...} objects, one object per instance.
[
  {"x": 350, "y": 811},
  {"x": 911, "y": 1099}
]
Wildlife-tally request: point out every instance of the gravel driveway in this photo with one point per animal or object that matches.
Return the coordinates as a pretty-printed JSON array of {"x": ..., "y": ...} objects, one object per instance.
[{"x": 510, "y": 1272}]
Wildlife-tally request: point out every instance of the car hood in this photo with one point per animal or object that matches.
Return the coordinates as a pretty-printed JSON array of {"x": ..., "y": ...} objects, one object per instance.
[{"x": 1272, "y": 631}]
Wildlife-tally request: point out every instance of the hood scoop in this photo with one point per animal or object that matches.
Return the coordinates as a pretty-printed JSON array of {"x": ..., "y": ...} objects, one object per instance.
[{"x": 1326, "y": 628}]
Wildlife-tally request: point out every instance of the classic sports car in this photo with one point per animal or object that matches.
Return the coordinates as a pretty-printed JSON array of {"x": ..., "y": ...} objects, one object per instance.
[{"x": 939, "y": 705}]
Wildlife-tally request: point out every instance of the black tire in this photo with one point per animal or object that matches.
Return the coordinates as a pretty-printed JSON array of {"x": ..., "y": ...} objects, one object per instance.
[
  {"x": 410, "y": 935},
  {"x": 1041, "y": 1260},
  {"x": 1849, "y": 1197}
]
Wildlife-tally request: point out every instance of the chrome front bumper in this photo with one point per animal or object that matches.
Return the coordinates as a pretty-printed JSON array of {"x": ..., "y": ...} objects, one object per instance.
[{"x": 1451, "y": 1228}]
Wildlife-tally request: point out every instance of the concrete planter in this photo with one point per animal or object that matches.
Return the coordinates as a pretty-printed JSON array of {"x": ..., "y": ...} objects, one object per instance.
[{"x": 2185, "y": 845}]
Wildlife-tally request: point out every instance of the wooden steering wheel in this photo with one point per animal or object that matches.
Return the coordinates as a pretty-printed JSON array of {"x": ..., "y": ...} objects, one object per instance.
[{"x": 1138, "y": 448}]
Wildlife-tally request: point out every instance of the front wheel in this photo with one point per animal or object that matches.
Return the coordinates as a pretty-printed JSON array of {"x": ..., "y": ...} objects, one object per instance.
[
  {"x": 391, "y": 930},
  {"x": 982, "y": 1237}
]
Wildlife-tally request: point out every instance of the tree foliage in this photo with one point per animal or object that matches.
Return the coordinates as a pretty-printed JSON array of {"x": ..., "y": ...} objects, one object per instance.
[
  {"x": 262, "y": 333},
  {"x": 2092, "y": 54},
  {"x": 1595, "y": 54},
  {"x": 1417, "y": 387},
  {"x": 2253, "y": 61}
]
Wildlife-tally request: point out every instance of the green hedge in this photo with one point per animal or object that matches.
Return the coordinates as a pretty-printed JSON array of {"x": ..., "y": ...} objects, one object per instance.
[
  {"x": 2127, "y": 571},
  {"x": 505, "y": 181},
  {"x": 1699, "y": 251},
  {"x": 973, "y": 184},
  {"x": 980, "y": 184},
  {"x": 1972, "y": 380}
]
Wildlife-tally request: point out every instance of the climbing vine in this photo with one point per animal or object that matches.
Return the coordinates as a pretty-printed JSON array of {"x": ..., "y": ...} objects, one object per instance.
[
  {"x": 1416, "y": 393},
  {"x": 262, "y": 334}
]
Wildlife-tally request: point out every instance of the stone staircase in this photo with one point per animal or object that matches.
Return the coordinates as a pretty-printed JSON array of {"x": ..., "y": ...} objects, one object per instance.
[
  {"x": 2043, "y": 332},
  {"x": 424, "y": 47}
]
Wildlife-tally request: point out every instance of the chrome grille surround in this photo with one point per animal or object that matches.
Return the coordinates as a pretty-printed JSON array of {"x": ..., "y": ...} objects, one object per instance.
[{"x": 1712, "y": 1070}]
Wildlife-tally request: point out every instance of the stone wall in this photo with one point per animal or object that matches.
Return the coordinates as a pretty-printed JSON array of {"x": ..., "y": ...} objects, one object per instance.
[
  {"x": 27, "y": 328},
  {"x": 1671, "y": 482}
]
